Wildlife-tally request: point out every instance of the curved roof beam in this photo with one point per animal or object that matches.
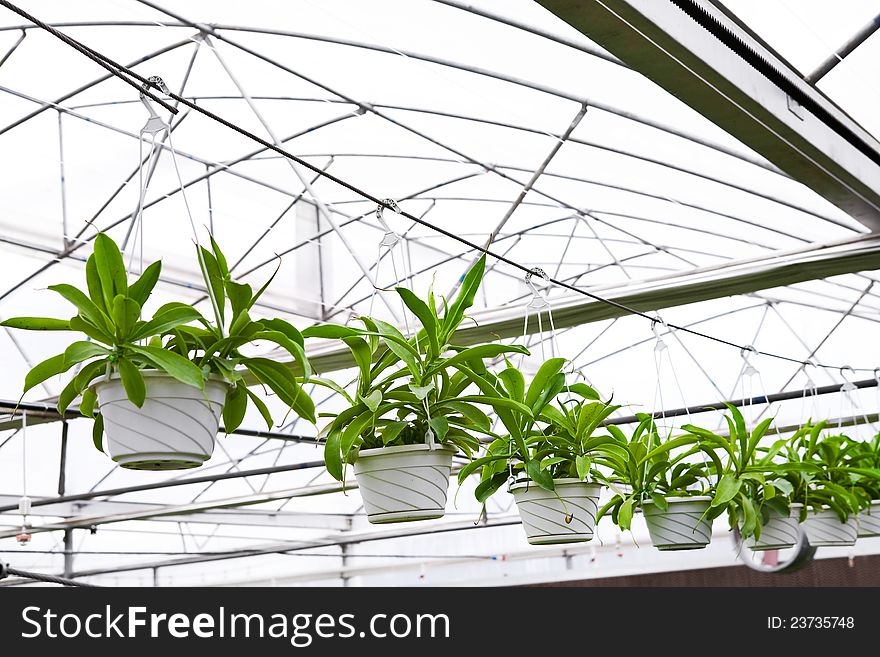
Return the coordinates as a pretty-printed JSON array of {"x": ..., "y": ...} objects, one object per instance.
[
  {"x": 419, "y": 57},
  {"x": 581, "y": 142}
]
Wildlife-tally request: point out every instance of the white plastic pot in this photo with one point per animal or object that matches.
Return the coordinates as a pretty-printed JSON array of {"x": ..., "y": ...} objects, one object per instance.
[
  {"x": 869, "y": 521},
  {"x": 567, "y": 515},
  {"x": 682, "y": 526},
  {"x": 823, "y": 528},
  {"x": 780, "y": 532},
  {"x": 175, "y": 429},
  {"x": 404, "y": 483}
]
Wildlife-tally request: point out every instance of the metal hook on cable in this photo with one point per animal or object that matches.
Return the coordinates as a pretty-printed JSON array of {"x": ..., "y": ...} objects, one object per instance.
[
  {"x": 848, "y": 385},
  {"x": 746, "y": 352},
  {"x": 391, "y": 238},
  {"x": 155, "y": 124},
  {"x": 660, "y": 345},
  {"x": 538, "y": 300}
]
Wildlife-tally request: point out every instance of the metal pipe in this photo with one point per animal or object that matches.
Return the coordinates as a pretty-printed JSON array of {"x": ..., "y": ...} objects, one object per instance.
[
  {"x": 112, "y": 492},
  {"x": 761, "y": 399},
  {"x": 62, "y": 468},
  {"x": 846, "y": 49}
]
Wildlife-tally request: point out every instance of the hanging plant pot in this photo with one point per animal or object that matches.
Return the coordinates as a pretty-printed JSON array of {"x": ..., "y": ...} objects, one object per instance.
[
  {"x": 780, "y": 532},
  {"x": 403, "y": 483},
  {"x": 175, "y": 429},
  {"x": 567, "y": 515},
  {"x": 868, "y": 520},
  {"x": 824, "y": 528},
  {"x": 682, "y": 526}
]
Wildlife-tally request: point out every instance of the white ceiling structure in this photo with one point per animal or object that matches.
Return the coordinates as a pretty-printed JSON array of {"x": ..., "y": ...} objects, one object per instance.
[{"x": 493, "y": 120}]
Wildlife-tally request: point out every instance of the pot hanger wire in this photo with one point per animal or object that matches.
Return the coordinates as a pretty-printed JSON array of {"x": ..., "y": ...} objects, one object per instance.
[{"x": 154, "y": 127}]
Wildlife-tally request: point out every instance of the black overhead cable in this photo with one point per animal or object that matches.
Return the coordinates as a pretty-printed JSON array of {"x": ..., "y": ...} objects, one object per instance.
[
  {"x": 5, "y": 571},
  {"x": 121, "y": 72}
]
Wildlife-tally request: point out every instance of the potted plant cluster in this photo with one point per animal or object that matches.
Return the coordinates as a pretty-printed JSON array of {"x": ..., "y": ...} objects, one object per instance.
[
  {"x": 824, "y": 480},
  {"x": 419, "y": 400},
  {"x": 158, "y": 387},
  {"x": 748, "y": 484},
  {"x": 546, "y": 453},
  {"x": 867, "y": 455}
]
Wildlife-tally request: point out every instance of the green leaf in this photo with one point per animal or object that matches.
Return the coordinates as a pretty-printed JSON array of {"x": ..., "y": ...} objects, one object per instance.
[
  {"x": 333, "y": 454},
  {"x": 727, "y": 488},
  {"x": 750, "y": 518},
  {"x": 132, "y": 381},
  {"x": 399, "y": 346},
  {"x": 292, "y": 347},
  {"x": 79, "y": 351},
  {"x": 545, "y": 373},
  {"x": 234, "y": 407},
  {"x": 421, "y": 391},
  {"x": 173, "y": 364},
  {"x": 111, "y": 269},
  {"x": 98, "y": 433},
  {"x": 77, "y": 323},
  {"x": 240, "y": 295},
  {"x": 213, "y": 281},
  {"x": 68, "y": 394},
  {"x": 479, "y": 352},
  {"x": 332, "y": 385},
  {"x": 142, "y": 288},
  {"x": 440, "y": 427},
  {"x": 87, "y": 404},
  {"x": 391, "y": 430},
  {"x": 625, "y": 514},
  {"x": 660, "y": 501},
  {"x": 331, "y": 332},
  {"x": 514, "y": 383},
  {"x": 486, "y": 488},
  {"x": 45, "y": 370},
  {"x": 221, "y": 259},
  {"x": 465, "y": 298},
  {"x": 539, "y": 476},
  {"x": 90, "y": 372},
  {"x": 582, "y": 464},
  {"x": 583, "y": 390},
  {"x": 373, "y": 400},
  {"x": 360, "y": 350},
  {"x": 166, "y": 320},
  {"x": 420, "y": 309},
  {"x": 261, "y": 406},
  {"x": 86, "y": 306},
  {"x": 284, "y": 327},
  {"x": 282, "y": 382},
  {"x": 477, "y": 417},
  {"x": 93, "y": 283},
  {"x": 125, "y": 315},
  {"x": 37, "y": 323}
]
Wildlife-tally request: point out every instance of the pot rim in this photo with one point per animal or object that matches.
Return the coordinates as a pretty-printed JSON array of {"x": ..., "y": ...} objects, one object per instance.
[
  {"x": 693, "y": 498},
  {"x": 156, "y": 374},
  {"x": 520, "y": 483},
  {"x": 398, "y": 449}
]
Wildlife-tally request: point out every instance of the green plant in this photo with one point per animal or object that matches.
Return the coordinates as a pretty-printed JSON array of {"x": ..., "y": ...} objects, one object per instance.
[
  {"x": 747, "y": 485},
  {"x": 825, "y": 471},
  {"x": 648, "y": 467},
  {"x": 119, "y": 341},
  {"x": 542, "y": 442},
  {"x": 866, "y": 455},
  {"x": 407, "y": 387}
]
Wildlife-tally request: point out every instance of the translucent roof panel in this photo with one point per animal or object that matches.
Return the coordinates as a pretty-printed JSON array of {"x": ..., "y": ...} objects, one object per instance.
[{"x": 808, "y": 32}]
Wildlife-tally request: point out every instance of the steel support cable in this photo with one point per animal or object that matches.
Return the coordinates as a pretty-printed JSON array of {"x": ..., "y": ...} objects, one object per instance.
[
  {"x": 121, "y": 72},
  {"x": 5, "y": 571}
]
